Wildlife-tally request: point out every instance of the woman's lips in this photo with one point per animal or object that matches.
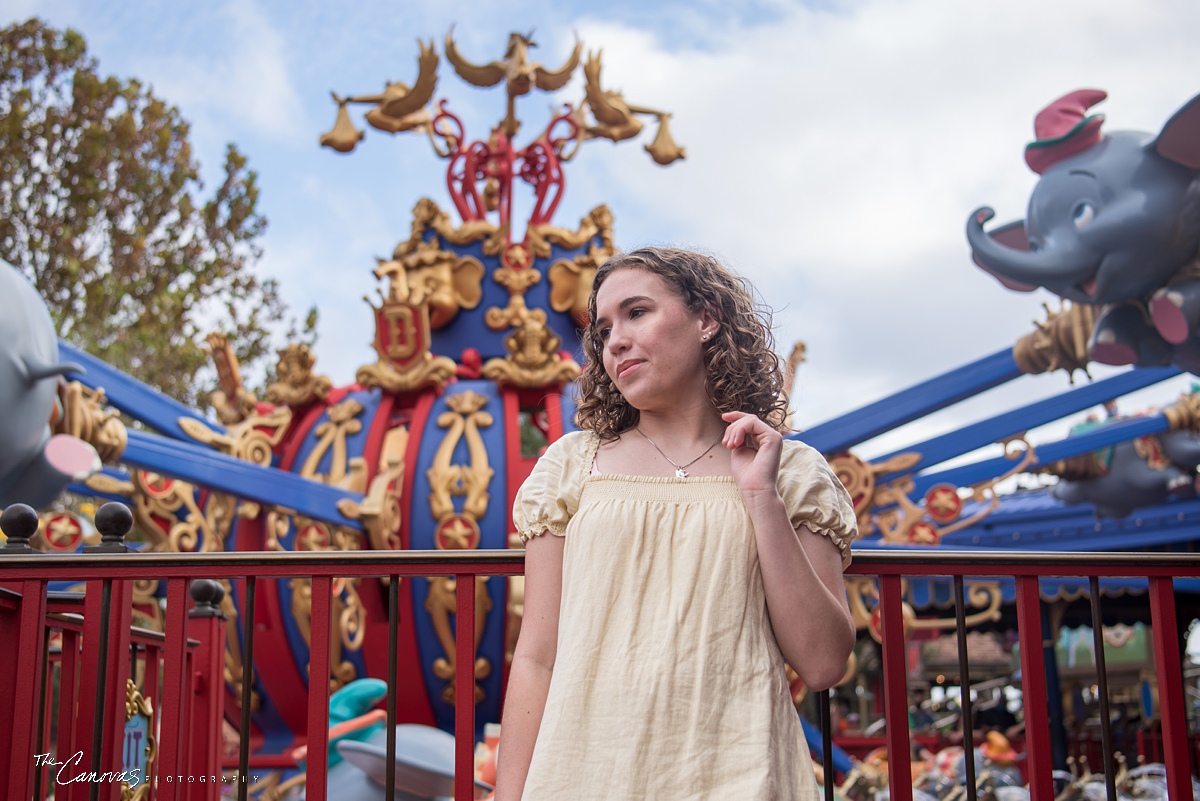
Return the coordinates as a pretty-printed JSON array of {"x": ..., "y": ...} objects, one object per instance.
[
  {"x": 1089, "y": 287},
  {"x": 625, "y": 368}
]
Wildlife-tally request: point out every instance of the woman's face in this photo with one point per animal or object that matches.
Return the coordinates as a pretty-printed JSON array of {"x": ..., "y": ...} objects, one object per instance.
[{"x": 652, "y": 345}]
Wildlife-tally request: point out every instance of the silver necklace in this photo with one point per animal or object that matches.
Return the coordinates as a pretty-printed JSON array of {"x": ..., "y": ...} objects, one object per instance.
[{"x": 680, "y": 469}]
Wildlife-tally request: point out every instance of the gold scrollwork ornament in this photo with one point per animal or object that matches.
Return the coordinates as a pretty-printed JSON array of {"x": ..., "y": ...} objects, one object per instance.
[
  {"x": 298, "y": 385},
  {"x": 463, "y": 420},
  {"x": 85, "y": 417},
  {"x": 441, "y": 603},
  {"x": 571, "y": 279},
  {"x": 533, "y": 357},
  {"x": 402, "y": 341},
  {"x": 251, "y": 440}
]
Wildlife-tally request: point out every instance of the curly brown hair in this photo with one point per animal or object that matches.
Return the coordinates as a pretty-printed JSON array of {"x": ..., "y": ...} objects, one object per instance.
[{"x": 743, "y": 370}]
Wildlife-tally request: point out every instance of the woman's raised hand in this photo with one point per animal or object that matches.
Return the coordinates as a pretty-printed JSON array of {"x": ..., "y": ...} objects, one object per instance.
[{"x": 754, "y": 449}]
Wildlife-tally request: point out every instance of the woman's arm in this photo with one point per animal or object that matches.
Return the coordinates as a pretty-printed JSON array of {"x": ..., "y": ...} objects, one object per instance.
[
  {"x": 801, "y": 570},
  {"x": 532, "y": 665},
  {"x": 806, "y": 598}
]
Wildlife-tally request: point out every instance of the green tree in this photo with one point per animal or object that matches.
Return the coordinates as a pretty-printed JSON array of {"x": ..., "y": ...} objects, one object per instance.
[{"x": 100, "y": 207}]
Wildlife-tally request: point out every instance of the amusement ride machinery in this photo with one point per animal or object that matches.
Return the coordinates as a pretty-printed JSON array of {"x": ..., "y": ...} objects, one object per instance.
[{"x": 476, "y": 339}]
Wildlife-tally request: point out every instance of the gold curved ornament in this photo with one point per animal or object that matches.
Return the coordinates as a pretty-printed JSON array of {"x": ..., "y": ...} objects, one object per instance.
[
  {"x": 431, "y": 371},
  {"x": 1060, "y": 343},
  {"x": 107, "y": 485},
  {"x": 445, "y": 281},
  {"x": 428, "y": 216},
  {"x": 85, "y": 417},
  {"x": 147, "y": 610},
  {"x": 380, "y": 512},
  {"x": 343, "y": 137},
  {"x": 232, "y": 402},
  {"x": 160, "y": 502},
  {"x": 441, "y": 604},
  {"x": 465, "y": 418},
  {"x": 345, "y": 472},
  {"x": 342, "y": 671},
  {"x": 616, "y": 119},
  {"x": 533, "y": 357},
  {"x": 860, "y": 479},
  {"x": 397, "y": 109},
  {"x": 984, "y": 596},
  {"x": 297, "y": 384},
  {"x": 889, "y": 508},
  {"x": 795, "y": 359},
  {"x": 252, "y": 439},
  {"x": 520, "y": 75},
  {"x": 663, "y": 149},
  {"x": 516, "y": 282},
  {"x": 1184, "y": 413},
  {"x": 459, "y": 529},
  {"x": 402, "y": 341},
  {"x": 283, "y": 789},
  {"x": 598, "y": 222},
  {"x": 234, "y": 665},
  {"x": 571, "y": 279}
]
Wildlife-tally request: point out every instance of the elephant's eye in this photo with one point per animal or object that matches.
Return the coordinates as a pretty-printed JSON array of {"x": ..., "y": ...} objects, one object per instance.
[{"x": 1083, "y": 215}]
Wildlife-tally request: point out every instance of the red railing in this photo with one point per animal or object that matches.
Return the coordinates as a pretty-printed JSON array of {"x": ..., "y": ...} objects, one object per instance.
[{"x": 25, "y": 617}]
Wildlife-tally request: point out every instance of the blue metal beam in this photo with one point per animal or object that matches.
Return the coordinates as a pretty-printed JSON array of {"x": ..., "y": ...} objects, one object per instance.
[
  {"x": 131, "y": 396},
  {"x": 1047, "y": 453},
  {"x": 909, "y": 404},
  {"x": 223, "y": 473},
  {"x": 977, "y": 435}
]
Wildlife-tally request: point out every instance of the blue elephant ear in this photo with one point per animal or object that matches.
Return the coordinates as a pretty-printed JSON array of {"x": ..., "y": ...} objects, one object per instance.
[{"x": 1179, "y": 140}]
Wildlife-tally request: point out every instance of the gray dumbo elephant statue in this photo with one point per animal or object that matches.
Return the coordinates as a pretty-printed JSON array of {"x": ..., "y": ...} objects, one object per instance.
[
  {"x": 424, "y": 767},
  {"x": 1130, "y": 475},
  {"x": 34, "y": 466},
  {"x": 1114, "y": 222}
]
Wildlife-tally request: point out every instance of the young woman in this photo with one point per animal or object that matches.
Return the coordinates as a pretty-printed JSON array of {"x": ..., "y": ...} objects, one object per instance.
[{"x": 678, "y": 551}]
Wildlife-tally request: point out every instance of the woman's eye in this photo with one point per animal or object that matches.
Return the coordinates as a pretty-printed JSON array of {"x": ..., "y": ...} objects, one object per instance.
[
  {"x": 636, "y": 312},
  {"x": 604, "y": 334}
]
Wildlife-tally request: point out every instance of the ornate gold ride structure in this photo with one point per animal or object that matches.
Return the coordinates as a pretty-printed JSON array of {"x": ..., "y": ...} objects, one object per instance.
[{"x": 475, "y": 343}]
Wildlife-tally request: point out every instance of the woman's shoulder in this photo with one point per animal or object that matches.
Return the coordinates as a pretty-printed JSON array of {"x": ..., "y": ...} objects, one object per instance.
[
  {"x": 799, "y": 455},
  {"x": 573, "y": 444},
  {"x": 568, "y": 454}
]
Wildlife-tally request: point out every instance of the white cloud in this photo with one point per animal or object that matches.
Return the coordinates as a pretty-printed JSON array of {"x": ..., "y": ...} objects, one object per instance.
[
  {"x": 244, "y": 83},
  {"x": 834, "y": 158}
]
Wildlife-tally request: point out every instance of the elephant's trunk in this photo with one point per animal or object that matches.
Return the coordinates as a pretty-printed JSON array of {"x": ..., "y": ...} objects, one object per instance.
[{"x": 1048, "y": 268}]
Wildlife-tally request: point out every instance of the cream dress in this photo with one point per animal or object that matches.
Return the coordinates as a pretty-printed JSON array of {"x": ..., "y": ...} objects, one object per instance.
[{"x": 668, "y": 683}]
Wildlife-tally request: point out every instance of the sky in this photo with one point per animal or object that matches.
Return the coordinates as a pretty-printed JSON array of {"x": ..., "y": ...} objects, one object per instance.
[{"x": 834, "y": 150}]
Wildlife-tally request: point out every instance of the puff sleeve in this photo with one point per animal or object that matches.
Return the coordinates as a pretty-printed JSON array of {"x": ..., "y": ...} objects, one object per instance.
[
  {"x": 814, "y": 496},
  {"x": 550, "y": 496}
]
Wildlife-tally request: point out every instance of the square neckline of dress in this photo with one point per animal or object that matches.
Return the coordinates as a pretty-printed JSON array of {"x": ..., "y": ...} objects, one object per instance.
[{"x": 593, "y": 452}]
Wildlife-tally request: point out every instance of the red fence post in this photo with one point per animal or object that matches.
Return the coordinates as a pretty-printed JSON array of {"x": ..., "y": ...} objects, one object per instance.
[
  {"x": 68, "y": 697},
  {"x": 895, "y": 687},
  {"x": 317, "y": 759},
  {"x": 22, "y": 664},
  {"x": 206, "y": 624},
  {"x": 464, "y": 688},
  {"x": 1171, "y": 701},
  {"x": 170, "y": 765},
  {"x": 1033, "y": 690}
]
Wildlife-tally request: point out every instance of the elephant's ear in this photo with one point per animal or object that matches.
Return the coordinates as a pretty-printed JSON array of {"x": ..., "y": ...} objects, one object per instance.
[
  {"x": 1013, "y": 236},
  {"x": 1179, "y": 140}
]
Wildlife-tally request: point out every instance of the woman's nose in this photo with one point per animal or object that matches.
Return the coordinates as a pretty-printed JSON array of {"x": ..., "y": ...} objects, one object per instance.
[{"x": 617, "y": 341}]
